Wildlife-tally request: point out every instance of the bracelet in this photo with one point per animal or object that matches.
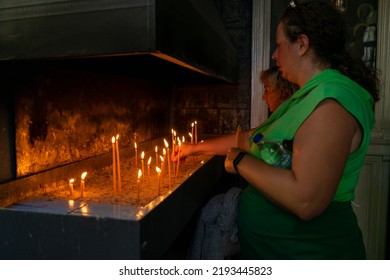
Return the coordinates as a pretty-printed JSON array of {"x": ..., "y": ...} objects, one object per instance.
[{"x": 237, "y": 160}]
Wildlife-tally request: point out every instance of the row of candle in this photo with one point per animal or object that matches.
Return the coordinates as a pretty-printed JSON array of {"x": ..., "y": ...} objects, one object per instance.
[
  {"x": 116, "y": 170},
  {"x": 160, "y": 171}
]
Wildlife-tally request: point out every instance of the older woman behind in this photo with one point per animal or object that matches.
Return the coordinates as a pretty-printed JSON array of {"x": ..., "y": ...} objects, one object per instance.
[{"x": 276, "y": 88}]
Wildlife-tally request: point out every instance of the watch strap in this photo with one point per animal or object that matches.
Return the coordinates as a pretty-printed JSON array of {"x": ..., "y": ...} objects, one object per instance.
[{"x": 237, "y": 160}]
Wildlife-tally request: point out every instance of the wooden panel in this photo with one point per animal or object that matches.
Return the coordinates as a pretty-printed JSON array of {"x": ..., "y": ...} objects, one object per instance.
[{"x": 370, "y": 205}]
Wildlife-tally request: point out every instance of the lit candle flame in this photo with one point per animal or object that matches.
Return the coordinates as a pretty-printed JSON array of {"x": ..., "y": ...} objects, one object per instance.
[
  {"x": 135, "y": 145},
  {"x": 142, "y": 155},
  {"x": 156, "y": 149},
  {"x": 161, "y": 158},
  {"x": 139, "y": 174},
  {"x": 83, "y": 175},
  {"x": 71, "y": 203},
  {"x": 149, "y": 160},
  {"x": 164, "y": 151},
  {"x": 117, "y": 137},
  {"x": 71, "y": 181},
  {"x": 166, "y": 143},
  {"x": 113, "y": 139},
  {"x": 158, "y": 170}
]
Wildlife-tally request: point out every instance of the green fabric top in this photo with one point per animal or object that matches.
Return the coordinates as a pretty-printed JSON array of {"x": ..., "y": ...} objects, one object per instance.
[
  {"x": 266, "y": 231},
  {"x": 284, "y": 122}
]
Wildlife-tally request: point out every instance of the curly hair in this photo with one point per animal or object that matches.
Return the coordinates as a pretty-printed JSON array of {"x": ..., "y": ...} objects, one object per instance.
[
  {"x": 275, "y": 79},
  {"x": 325, "y": 28}
]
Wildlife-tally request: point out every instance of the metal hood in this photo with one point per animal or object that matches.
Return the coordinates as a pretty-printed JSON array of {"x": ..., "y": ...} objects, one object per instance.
[{"x": 189, "y": 33}]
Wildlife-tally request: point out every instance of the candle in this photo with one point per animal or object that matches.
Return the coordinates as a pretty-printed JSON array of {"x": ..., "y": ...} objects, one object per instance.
[
  {"x": 136, "y": 155},
  {"x": 156, "y": 149},
  {"x": 162, "y": 164},
  {"x": 169, "y": 163},
  {"x": 142, "y": 162},
  {"x": 71, "y": 181},
  {"x": 149, "y": 161},
  {"x": 82, "y": 188},
  {"x": 118, "y": 165},
  {"x": 192, "y": 133},
  {"x": 113, "y": 165},
  {"x": 173, "y": 137},
  {"x": 139, "y": 182},
  {"x": 238, "y": 132},
  {"x": 158, "y": 170},
  {"x": 196, "y": 132},
  {"x": 178, "y": 158},
  {"x": 191, "y": 137}
]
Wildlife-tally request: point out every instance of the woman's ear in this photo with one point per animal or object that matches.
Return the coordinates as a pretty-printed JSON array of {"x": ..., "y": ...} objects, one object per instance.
[{"x": 304, "y": 43}]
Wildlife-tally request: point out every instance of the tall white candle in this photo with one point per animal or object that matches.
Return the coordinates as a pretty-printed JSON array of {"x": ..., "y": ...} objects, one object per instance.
[
  {"x": 139, "y": 183},
  {"x": 158, "y": 170},
  {"x": 192, "y": 133},
  {"x": 173, "y": 137},
  {"x": 118, "y": 165},
  {"x": 113, "y": 165},
  {"x": 156, "y": 150},
  {"x": 169, "y": 163},
  {"x": 196, "y": 132},
  {"x": 149, "y": 161},
  {"x": 82, "y": 188},
  {"x": 178, "y": 158},
  {"x": 71, "y": 181},
  {"x": 142, "y": 162},
  {"x": 136, "y": 154},
  {"x": 162, "y": 167}
]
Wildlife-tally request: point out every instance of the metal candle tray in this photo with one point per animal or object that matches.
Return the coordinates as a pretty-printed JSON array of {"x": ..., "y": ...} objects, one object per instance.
[{"x": 61, "y": 229}]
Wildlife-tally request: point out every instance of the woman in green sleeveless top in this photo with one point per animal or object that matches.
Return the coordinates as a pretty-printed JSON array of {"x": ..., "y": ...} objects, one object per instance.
[{"x": 304, "y": 211}]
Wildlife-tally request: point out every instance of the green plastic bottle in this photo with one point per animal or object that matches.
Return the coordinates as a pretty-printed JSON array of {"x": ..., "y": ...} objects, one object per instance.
[{"x": 273, "y": 153}]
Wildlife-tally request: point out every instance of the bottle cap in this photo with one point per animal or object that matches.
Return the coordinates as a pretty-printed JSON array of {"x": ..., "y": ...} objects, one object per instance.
[{"x": 257, "y": 138}]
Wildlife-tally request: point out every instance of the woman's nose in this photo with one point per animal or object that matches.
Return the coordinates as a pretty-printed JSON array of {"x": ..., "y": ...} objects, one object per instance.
[{"x": 275, "y": 54}]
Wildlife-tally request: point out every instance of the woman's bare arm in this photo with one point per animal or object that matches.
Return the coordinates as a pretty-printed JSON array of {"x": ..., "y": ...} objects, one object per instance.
[{"x": 321, "y": 148}]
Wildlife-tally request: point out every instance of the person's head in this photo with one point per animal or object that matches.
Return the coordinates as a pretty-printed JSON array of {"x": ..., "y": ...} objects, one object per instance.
[
  {"x": 312, "y": 35},
  {"x": 276, "y": 88}
]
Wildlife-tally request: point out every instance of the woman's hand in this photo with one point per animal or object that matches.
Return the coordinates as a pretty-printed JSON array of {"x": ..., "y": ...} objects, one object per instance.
[
  {"x": 230, "y": 157},
  {"x": 182, "y": 152}
]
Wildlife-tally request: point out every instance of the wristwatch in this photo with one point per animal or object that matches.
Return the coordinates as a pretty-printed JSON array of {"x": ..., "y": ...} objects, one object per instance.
[{"x": 237, "y": 160}]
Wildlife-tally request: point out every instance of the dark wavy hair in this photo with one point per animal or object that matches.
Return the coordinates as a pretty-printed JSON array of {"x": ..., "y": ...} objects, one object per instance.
[{"x": 325, "y": 27}]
